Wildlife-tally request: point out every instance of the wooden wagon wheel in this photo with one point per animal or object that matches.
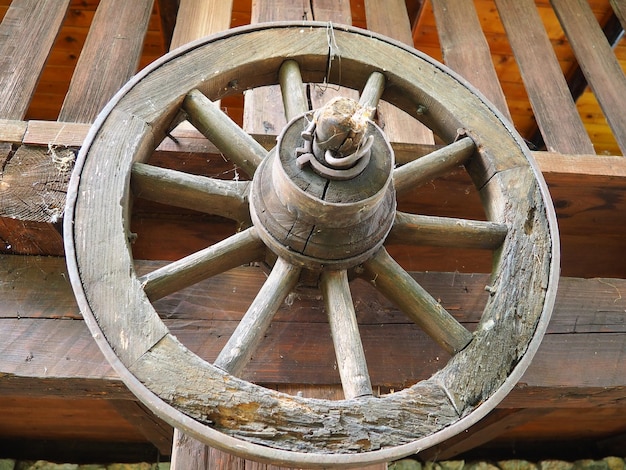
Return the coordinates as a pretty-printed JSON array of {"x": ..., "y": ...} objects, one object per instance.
[{"x": 313, "y": 211}]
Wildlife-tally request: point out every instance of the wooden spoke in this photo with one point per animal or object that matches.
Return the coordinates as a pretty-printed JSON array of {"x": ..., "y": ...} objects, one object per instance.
[
  {"x": 433, "y": 165},
  {"x": 248, "y": 334},
  {"x": 292, "y": 89},
  {"x": 372, "y": 92},
  {"x": 446, "y": 231},
  {"x": 398, "y": 286},
  {"x": 218, "y": 197},
  {"x": 233, "y": 142},
  {"x": 345, "y": 332},
  {"x": 243, "y": 247}
]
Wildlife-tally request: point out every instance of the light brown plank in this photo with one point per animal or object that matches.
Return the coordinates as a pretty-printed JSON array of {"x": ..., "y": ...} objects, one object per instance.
[
  {"x": 27, "y": 33},
  {"x": 465, "y": 48},
  {"x": 390, "y": 18},
  {"x": 619, "y": 8},
  {"x": 597, "y": 61},
  {"x": 109, "y": 58},
  {"x": 552, "y": 102},
  {"x": 199, "y": 18}
]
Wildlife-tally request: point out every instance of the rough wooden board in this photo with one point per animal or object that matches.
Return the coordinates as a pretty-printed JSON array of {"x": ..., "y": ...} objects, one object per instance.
[
  {"x": 587, "y": 333},
  {"x": 196, "y": 19},
  {"x": 28, "y": 31},
  {"x": 109, "y": 57},
  {"x": 465, "y": 48},
  {"x": 597, "y": 61},
  {"x": 549, "y": 94},
  {"x": 12, "y": 131},
  {"x": 391, "y": 19}
]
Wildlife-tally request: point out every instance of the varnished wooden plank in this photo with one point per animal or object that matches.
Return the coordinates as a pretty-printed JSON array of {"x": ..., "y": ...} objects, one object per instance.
[
  {"x": 27, "y": 33},
  {"x": 391, "y": 19},
  {"x": 108, "y": 59},
  {"x": 466, "y": 50},
  {"x": 549, "y": 94},
  {"x": 597, "y": 61},
  {"x": 198, "y": 18}
]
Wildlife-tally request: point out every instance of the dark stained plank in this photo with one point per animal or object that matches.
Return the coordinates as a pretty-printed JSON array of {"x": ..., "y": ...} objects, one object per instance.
[
  {"x": 27, "y": 33},
  {"x": 552, "y": 102},
  {"x": 465, "y": 48},
  {"x": 109, "y": 58},
  {"x": 157, "y": 432},
  {"x": 597, "y": 61}
]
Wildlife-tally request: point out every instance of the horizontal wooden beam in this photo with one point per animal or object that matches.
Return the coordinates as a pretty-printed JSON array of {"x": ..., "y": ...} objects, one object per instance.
[{"x": 48, "y": 351}]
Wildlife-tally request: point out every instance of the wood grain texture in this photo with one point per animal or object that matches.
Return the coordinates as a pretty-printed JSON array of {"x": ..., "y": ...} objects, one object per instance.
[
  {"x": 197, "y": 18},
  {"x": 466, "y": 50},
  {"x": 391, "y": 19},
  {"x": 549, "y": 94},
  {"x": 597, "y": 61},
  {"x": 48, "y": 347},
  {"x": 109, "y": 58},
  {"x": 27, "y": 33}
]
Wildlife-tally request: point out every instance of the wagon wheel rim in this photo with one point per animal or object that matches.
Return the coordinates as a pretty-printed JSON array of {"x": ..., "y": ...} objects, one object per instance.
[{"x": 146, "y": 355}]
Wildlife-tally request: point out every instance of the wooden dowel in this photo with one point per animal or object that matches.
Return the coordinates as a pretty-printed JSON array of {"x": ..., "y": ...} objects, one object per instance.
[
  {"x": 236, "y": 145},
  {"x": 292, "y": 89},
  {"x": 446, "y": 232},
  {"x": 243, "y": 247},
  {"x": 433, "y": 165},
  {"x": 397, "y": 285},
  {"x": 176, "y": 188},
  {"x": 252, "y": 327},
  {"x": 349, "y": 351}
]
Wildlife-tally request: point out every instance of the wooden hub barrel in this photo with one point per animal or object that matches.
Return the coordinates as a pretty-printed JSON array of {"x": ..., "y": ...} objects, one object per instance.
[{"x": 318, "y": 221}]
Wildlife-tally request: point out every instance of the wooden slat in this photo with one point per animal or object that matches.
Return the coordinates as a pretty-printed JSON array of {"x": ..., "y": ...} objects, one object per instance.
[
  {"x": 619, "y": 8},
  {"x": 549, "y": 95},
  {"x": 27, "y": 33},
  {"x": 391, "y": 19},
  {"x": 597, "y": 61},
  {"x": 198, "y": 18},
  {"x": 109, "y": 58},
  {"x": 263, "y": 108},
  {"x": 466, "y": 50},
  {"x": 582, "y": 349}
]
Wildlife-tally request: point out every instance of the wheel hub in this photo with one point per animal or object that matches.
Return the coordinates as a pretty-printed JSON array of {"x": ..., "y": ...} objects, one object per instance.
[{"x": 324, "y": 197}]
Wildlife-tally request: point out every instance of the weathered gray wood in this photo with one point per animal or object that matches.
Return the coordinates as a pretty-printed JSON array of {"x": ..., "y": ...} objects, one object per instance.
[
  {"x": 243, "y": 247},
  {"x": 352, "y": 365},
  {"x": 396, "y": 284},
  {"x": 199, "y": 18},
  {"x": 252, "y": 327},
  {"x": 447, "y": 232},
  {"x": 433, "y": 165},
  {"x": 292, "y": 90},
  {"x": 27, "y": 32},
  {"x": 212, "y": 196},
  {"x": 554, "y": 108},
  {"x": 109, "y": 57},
  {"x": 390, "y": 17},
  {"x": 597, "y": 61},
  {"x": 465, "y": 48},
  {"x": 501, "y": 166},
  {"x": 236, "y": 145},
  {"x": 372, "y": 92},
  {"x": 620, "y": 11}
]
